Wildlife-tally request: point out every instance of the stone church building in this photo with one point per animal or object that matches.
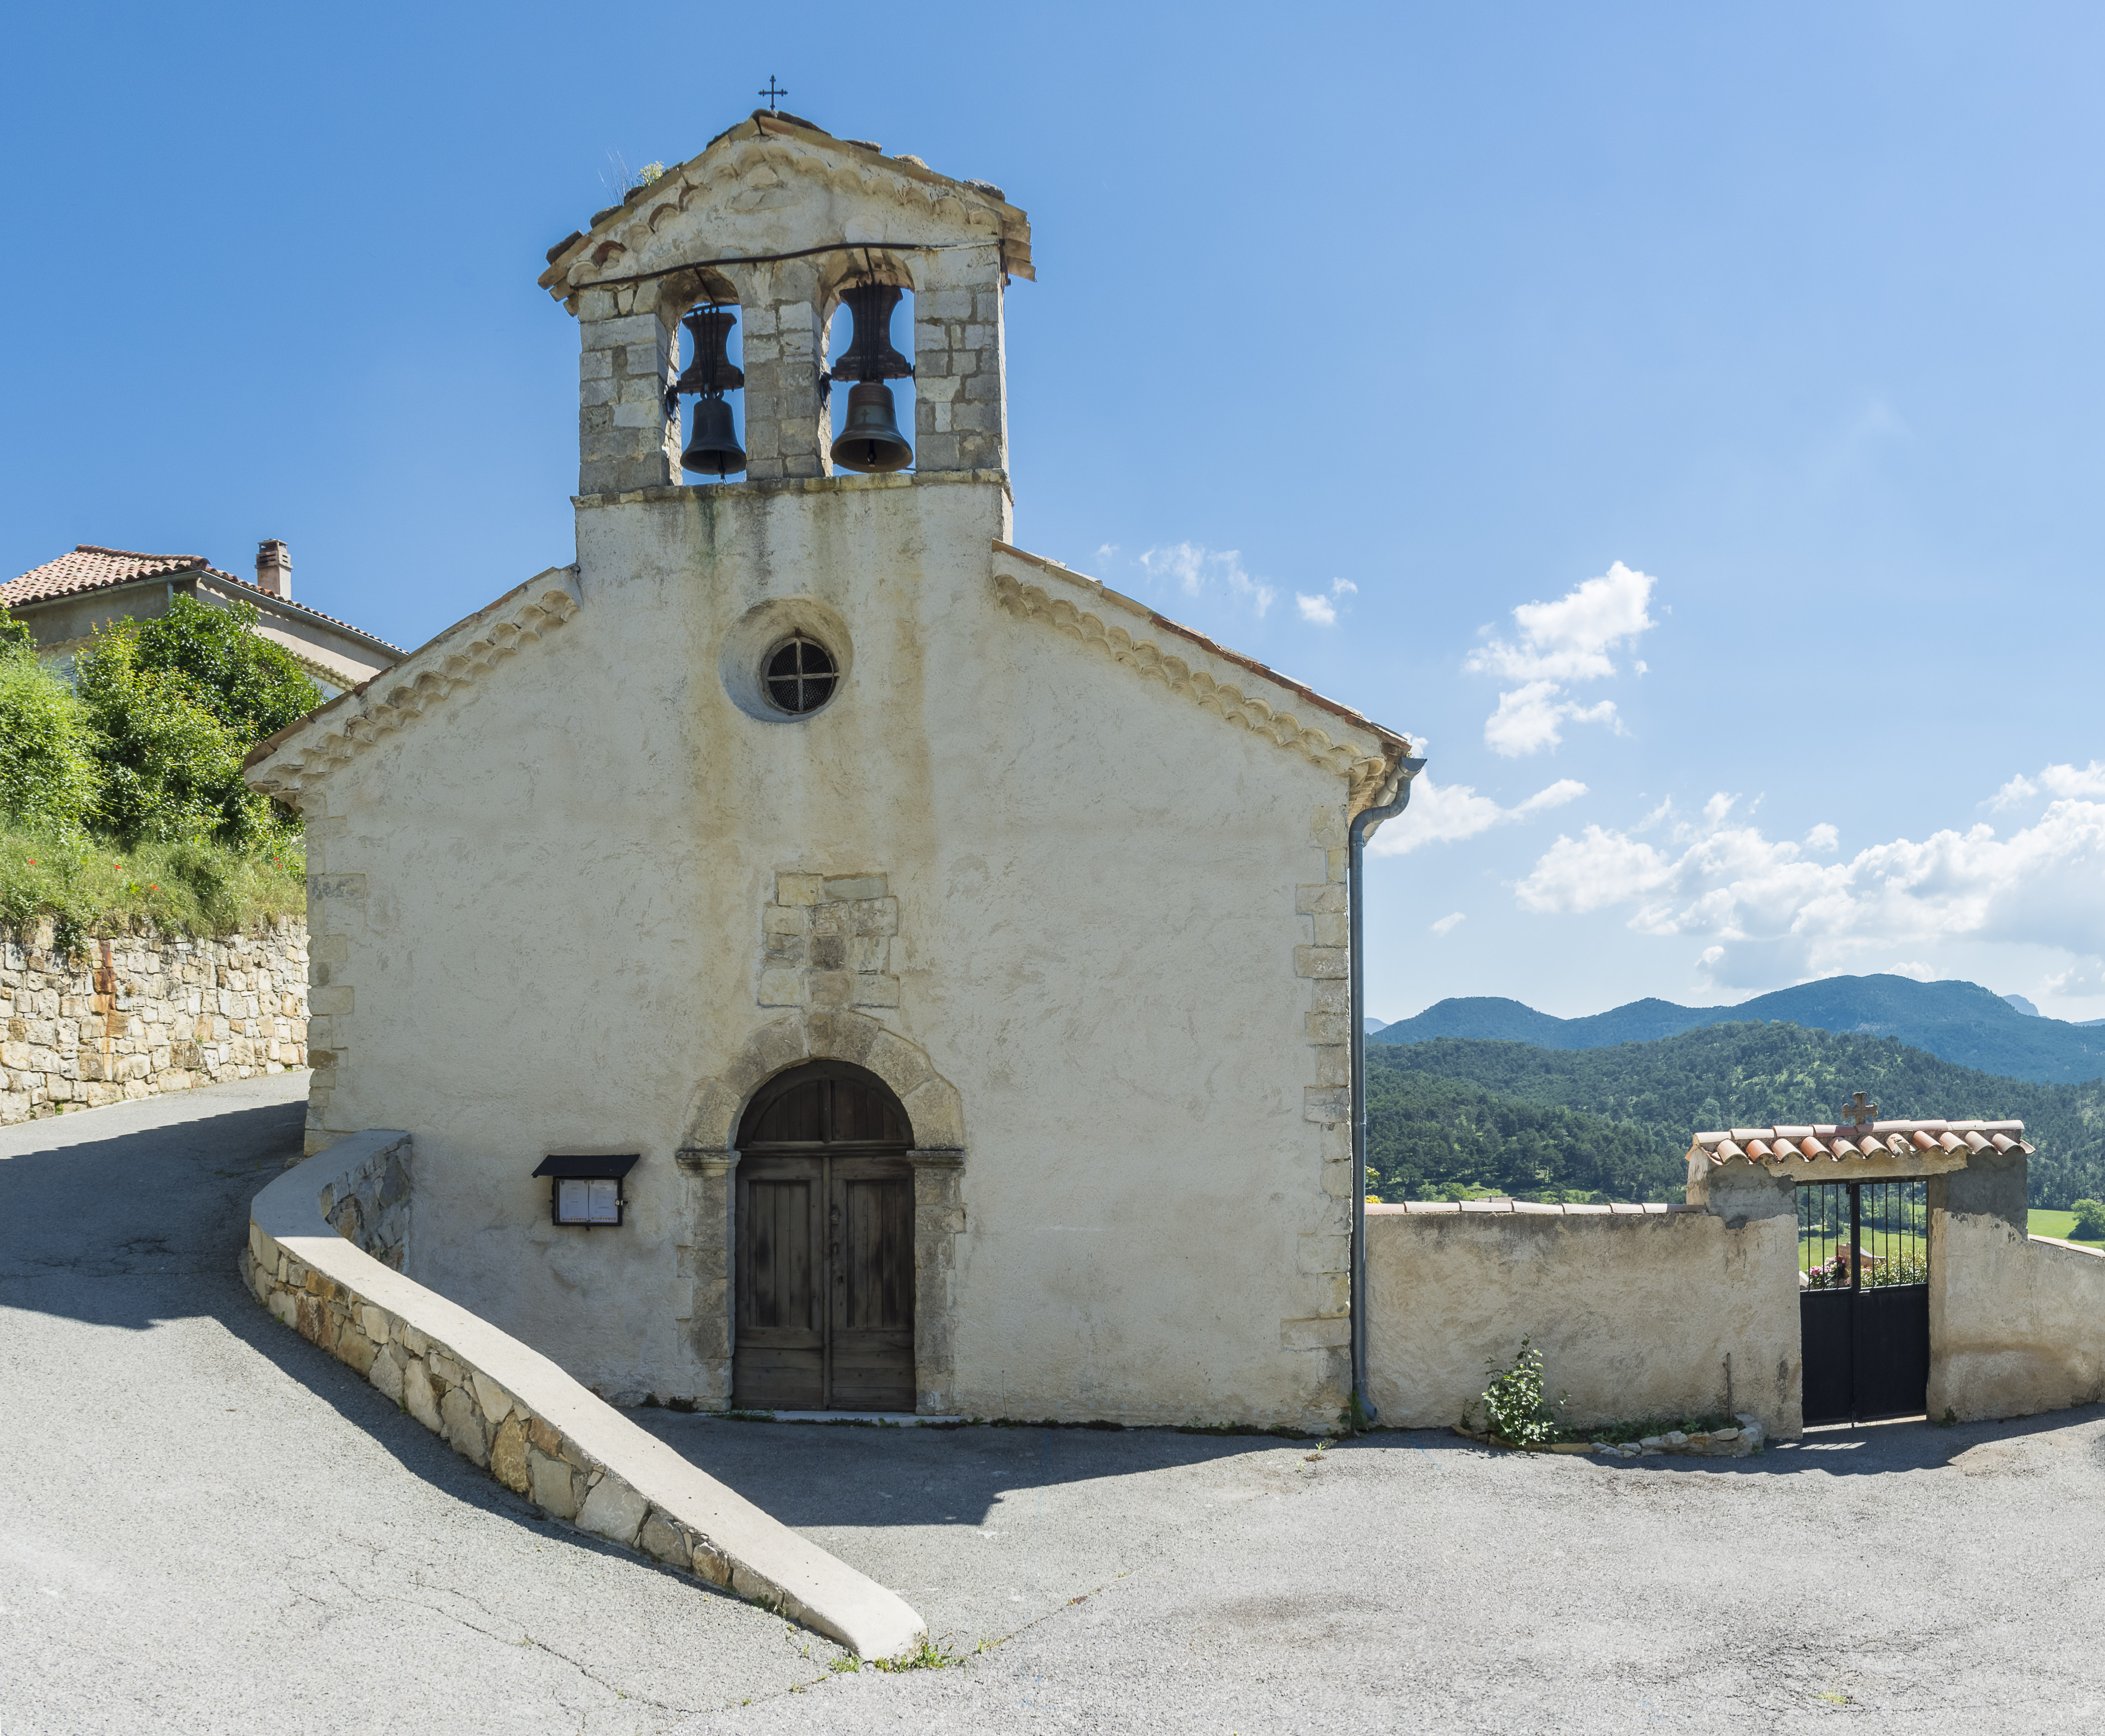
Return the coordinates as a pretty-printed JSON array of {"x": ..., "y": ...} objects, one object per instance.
[{"x": 827, "y": 957}]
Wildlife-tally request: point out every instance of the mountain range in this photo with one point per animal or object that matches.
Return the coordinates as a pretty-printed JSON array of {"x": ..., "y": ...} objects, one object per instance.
[{"x": 1955, "y": 1021}]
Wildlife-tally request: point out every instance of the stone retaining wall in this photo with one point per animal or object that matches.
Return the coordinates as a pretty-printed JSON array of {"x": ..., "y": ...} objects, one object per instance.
[
  {"x": 323, "y": 1239},
  {"x": 137, "y": 1014}
]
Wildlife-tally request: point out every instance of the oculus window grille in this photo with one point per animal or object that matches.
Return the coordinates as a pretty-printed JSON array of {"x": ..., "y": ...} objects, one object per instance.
[
  {"x": 800, "y": 675},
  {"x": 586, "y": 1191}
]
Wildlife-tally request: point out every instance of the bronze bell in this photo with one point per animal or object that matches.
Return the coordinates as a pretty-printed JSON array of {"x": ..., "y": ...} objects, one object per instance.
[
  {"x": 709, "y": 336},
  {"x": 869, "y": 355},
  {"x": 714, "y": 450},
  {"x": 870, "y": 440}
]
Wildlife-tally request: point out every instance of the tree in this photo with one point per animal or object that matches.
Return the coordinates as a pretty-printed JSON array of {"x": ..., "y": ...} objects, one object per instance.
[
  {"x": 176, "y": 703},
  {"x": 47, "y": 764},
  {"x": 2089, "y": 1220},
  {"x": 252, "y": 685}
]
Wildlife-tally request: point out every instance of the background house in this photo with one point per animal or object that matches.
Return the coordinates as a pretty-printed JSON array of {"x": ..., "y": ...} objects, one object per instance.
[{"x": 63, "y": 601}]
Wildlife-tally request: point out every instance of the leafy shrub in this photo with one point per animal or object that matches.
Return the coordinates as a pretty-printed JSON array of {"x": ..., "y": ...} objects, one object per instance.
[
  {"x": 1515, "y": 1409},
  {"x": 252, "y": 685},
  {"x": 175, "y": 703},
  {"x": 47, "y": 765},
  {"x": 2089, "y": 1220}
]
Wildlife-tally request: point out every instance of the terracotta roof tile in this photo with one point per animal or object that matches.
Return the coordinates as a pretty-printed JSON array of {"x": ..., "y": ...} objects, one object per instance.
[
  {"x": 88, "y": 567},
  {"x": 1840, "y": 1141}
]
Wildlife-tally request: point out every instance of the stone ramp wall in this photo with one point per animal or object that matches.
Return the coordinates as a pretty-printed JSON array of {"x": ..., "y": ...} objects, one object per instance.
[
  {"x": 314, "y": 1235},
  {"x": 137, "y": 1014},
  {"x": 1639, "y": 1311}
]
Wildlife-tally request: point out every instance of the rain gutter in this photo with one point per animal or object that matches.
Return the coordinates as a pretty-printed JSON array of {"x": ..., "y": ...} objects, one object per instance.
[{"x": 1362, "y": 823}]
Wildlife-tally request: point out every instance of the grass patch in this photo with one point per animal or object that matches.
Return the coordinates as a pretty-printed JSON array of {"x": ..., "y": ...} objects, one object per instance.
[
  {"x": 2060, "y": 1224},
  {"x": 85, "y": 887}
]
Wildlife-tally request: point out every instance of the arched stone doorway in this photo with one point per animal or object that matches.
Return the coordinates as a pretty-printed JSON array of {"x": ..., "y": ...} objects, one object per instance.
[{"x": 824, "y": 1262}]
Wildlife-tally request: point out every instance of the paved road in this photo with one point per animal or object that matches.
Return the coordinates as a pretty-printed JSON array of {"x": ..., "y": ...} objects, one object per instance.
[{"x": 211, "y": 1527}]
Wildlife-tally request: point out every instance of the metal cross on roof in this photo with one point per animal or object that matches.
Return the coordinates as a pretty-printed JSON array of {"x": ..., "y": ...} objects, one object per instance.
[
  {"x": 1859, "y": 1114},
  {"x": 771, "y": 93}
]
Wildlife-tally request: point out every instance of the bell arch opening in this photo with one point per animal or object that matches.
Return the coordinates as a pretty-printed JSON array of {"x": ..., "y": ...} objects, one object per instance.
[
  {"x": 871, "y": 379},
  {"x": 824, "y": 1313},
  {"x": 712, "y": 374}
]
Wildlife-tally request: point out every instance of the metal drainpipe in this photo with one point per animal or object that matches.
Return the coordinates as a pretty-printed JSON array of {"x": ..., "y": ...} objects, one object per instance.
[{"x": 1362, "y": 823}]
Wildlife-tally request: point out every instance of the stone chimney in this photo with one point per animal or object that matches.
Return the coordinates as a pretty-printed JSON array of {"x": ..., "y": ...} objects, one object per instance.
[{"x": 274, "y": 568}]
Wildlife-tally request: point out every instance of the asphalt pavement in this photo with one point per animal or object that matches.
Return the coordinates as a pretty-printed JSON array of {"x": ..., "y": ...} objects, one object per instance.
[{"x": 210, "y": 1526}]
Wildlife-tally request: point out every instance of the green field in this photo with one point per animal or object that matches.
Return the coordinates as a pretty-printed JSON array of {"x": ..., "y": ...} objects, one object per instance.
[{"x": 2061, "y": 1224}]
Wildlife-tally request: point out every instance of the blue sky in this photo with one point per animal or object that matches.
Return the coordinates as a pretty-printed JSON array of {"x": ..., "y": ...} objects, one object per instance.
[{"x": 1686, "y": 422}]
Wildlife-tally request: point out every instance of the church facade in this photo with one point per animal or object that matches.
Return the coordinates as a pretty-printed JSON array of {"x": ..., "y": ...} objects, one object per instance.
[{"x": 827, "y": 957}]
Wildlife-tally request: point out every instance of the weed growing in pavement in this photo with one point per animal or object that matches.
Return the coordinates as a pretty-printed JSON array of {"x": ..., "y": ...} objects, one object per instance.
[
  {"x": 931, "y": 1655},
  {"x": 1515, "y": 1407}
]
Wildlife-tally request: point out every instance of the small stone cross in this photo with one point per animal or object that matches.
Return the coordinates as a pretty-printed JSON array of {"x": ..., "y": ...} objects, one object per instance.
[
  {"x": 771, "y": 93},
  {"x": 1860, "y": 1114}
]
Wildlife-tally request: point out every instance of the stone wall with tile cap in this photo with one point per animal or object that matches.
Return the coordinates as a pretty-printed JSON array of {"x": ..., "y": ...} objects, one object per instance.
[
  {"x": 1639, "y": 1310},
  {"x": 513, "y": 1412}
]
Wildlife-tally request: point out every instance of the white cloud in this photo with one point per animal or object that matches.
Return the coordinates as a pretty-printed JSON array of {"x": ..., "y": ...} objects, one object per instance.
[
  {"x": 1195, "y": 567},
  {"x": 1560, "y": 643},
  {"x": 1569, "y": 639},
  {"x": 1914, "y": 967},
  {"x": 1319, "y": 608},
  {"x": 1447, "y": 814},
  {"x": 2057, "y": 780},
  {"x": 1448, "y": 924},
  {"x": 1772, "y": 914},
  {"x": 1532, "y": 716}
]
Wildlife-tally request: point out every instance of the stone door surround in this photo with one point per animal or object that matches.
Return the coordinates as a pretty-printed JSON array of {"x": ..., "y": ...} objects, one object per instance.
[{"x": 709, "y": 1155}]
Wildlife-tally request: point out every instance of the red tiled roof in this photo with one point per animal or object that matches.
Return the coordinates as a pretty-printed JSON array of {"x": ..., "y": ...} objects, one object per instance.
[
  {"x": 1879, "y": 1139},
  {"x": 89, "y": 568}
]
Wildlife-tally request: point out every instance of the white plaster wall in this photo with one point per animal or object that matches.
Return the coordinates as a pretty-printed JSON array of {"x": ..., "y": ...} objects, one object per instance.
[
  {"x": 544, "y": 898},
  {"x": 1635, "y": 1315},
  {"x": 2017, "y": 1324}
]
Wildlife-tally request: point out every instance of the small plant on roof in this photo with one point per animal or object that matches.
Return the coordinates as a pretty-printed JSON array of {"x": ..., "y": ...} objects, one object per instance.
[{"x": 1516, "y": 1409}]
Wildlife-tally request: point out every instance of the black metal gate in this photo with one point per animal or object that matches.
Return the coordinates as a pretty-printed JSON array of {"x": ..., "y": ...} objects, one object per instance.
[{"x": 1863, "y": 1307}]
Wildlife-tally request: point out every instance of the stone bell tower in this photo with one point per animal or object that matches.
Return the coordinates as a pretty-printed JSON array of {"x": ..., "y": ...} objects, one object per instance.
[{"x": 778, "y": 220}]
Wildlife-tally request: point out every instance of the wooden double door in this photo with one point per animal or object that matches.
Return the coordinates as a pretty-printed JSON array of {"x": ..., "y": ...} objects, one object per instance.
[{"x": 825, "y": 1247}]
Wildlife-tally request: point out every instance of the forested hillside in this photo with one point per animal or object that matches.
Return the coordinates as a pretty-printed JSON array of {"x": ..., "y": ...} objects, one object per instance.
[
  {"x": 1960, "y": 1022},
  {"x": 1427, "y": 1136},
  {"x": 1661, "y": 1093}
]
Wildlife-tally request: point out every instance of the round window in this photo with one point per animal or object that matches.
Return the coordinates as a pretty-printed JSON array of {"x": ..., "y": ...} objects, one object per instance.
[{"x": 799, "y": 676}]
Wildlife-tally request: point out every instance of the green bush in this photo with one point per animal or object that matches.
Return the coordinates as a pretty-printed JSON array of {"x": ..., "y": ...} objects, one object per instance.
[
  {"x": 121, "y": 797},
  {"x": 47, "y": 764},
  {"x": 1515, "y": 1408},
  {"x": 2089, "y": 1220},
  {"x": 251, "y": 683},
  {"x": 175, "y": 703}
]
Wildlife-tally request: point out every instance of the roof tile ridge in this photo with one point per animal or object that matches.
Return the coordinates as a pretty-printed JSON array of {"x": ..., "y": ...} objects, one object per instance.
[{"x": 128, "y": 553}]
